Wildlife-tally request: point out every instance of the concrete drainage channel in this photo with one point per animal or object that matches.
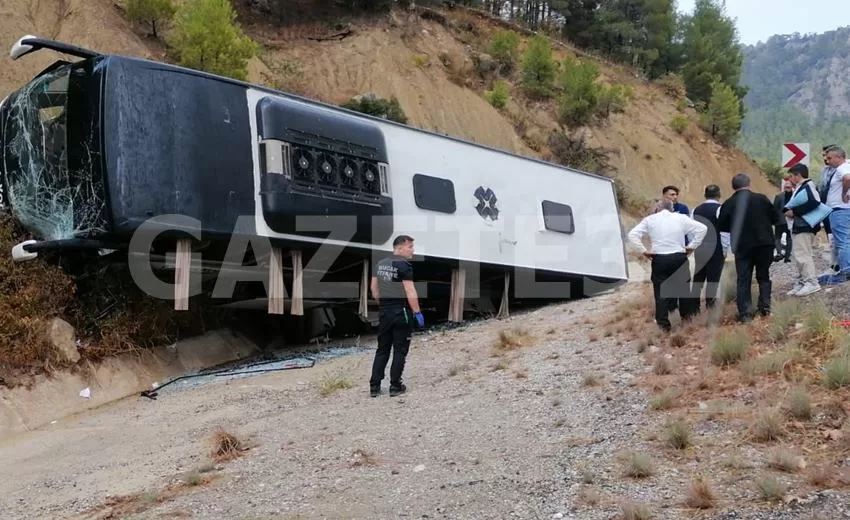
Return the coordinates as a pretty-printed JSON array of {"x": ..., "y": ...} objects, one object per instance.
[
  {"x": 218, "y": 355},
  {"x": 248, "y": 368}
]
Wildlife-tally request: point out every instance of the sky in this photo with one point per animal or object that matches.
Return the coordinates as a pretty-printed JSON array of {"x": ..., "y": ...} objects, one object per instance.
[{"x": 758, "y": 20}]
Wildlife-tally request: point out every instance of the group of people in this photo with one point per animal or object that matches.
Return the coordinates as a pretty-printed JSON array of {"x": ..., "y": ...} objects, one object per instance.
[{"x": 751, "y": 227}]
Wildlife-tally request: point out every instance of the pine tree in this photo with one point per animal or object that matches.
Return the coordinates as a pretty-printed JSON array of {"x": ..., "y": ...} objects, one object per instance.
[
  {"x": 712, "y": 52},
  {"x": 207, "y": 38},
  {"x": 538, "y": 68},
  {"x": 724, "y": 114},
  {"x": 151, "y": 12}
]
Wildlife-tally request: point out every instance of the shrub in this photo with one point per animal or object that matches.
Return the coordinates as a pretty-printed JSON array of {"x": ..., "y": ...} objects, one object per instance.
[
  {"x": 378, "y": 107},
  {"x": 503, "y": 48},
  {"x": 679, "y": 123},
  {"x": 575, "y": 153},
  {"x": 538, "y": 68},
  {"x": 672, "y": 85},
  {"x": 499, "y": 96},
  {"x": 31, "y": 293},
  {"x": 613, "y": 99}
]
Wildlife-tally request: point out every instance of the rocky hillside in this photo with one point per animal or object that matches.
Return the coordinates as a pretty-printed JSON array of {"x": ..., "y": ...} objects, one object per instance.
[
  {"x": 432, "y": 65},
  {"x": 796, "y": 91}
]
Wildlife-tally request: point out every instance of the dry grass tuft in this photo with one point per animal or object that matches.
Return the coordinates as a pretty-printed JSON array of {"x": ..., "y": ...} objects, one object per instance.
[
  {"x": 783, "y": 315},
  {"x": 768, "y": 425},
  {"x": 822, "y": 476},
  {"x": 664, "y": 400},
  {"x": 332, "y": 382},
  {"x": 730, "y": 347},
  {"x": 512, "y": 339},
  {"x": 836, "y": 372},
  {"x": 770, "y": 488},
  {"x": 800, "y": 404},
  {"x": 662, "y": 367},
  {"x": 783, "y": 459},
  {"x": 226, "y": 446},
  {"x": 637, "y": 465},
  {"x": 700, "y": 495},
  {"x": 632, "y": 511},
  {"x": 678, "y": 340},
  {"x": 678, "y": 435}
]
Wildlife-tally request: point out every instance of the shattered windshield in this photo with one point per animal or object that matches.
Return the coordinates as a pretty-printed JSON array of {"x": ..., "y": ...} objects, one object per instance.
[{"x": 46, "y": 194}]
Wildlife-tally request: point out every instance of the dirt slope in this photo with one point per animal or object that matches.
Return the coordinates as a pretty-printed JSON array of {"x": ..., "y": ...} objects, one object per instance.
[
  {"x": 415, "y": 60},
  {"x": 94, "y": 24}
]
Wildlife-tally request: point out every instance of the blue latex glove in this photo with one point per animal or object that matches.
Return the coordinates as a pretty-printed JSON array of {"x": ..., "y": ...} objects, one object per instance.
[{"x": 420, "y": 319}]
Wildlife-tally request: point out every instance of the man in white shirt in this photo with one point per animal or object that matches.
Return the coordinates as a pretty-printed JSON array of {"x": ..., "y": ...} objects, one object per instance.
[
  {"x": 838, "y": 198},
  {"x": 671, "y": 273}
]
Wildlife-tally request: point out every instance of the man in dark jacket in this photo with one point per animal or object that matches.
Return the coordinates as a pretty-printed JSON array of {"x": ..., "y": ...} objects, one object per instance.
[
  {"x": 750, "y": 219},
  {"x": 804, "y": 234},
  {"x": 779, "y": 203},
  {"x": 710, "y": 256}
]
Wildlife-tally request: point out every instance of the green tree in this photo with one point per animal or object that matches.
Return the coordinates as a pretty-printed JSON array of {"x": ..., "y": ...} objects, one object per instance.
[
  {"x": 503, "y": 48},
  {"x": 538, "y": 68},
  {"x": 207, "y": 38},
  {"x": 711, "y": 52},
  {"x": 724, "y": 113},
  {"x": 500, "y": 95},
  {"x": 580, "y": 97},
  {"x": 151, "y": 12}
]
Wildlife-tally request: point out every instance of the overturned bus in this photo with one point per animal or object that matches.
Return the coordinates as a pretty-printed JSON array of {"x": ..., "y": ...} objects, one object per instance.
[{"x": 100, "y": 146}]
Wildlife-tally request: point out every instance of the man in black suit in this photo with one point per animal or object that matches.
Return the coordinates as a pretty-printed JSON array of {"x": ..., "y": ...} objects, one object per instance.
[
  {"x": 782, "y": 228},
  {"x": 710, "y": 256},
  {"x": 750, "y": 219}
]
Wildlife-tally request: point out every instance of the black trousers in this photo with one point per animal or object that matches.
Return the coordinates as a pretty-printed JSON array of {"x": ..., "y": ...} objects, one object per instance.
[
  {"x": 394, "y": 332},
  {"x": 671, "y": 280},
  {"x": 707, "y": 276},
  {"x": 782, "y": 230},
  {"x": 756, "y": 259}
]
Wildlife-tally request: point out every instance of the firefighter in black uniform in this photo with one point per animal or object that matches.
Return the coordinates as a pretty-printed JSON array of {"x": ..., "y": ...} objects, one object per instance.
[{"x": 392, "y": 285}]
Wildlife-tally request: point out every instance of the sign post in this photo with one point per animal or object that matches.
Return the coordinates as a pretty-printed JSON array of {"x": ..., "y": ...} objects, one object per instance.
[{"x": 795, "y": 153}]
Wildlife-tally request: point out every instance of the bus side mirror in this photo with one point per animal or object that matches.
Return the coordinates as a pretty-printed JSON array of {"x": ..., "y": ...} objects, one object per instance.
[{"x": 20, "y": 48}]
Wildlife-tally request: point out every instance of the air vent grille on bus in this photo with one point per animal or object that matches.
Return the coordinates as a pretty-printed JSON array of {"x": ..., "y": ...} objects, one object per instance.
[
  {"x": 276, "y": 157},
  {"x": 385, "y": 179},
  {"x": 317, "y": 168}
]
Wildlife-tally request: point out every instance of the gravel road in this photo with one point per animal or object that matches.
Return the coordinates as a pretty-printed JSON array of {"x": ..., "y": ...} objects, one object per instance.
[{"x": 518, "y": 434}]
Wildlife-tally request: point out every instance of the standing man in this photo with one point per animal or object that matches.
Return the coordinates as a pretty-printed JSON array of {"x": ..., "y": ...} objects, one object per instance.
[
  {"x": 670, "y": 271},
  {"x": 710, "y": 256},
  {"x": 671, "y": 193},
  {"x": 392, "y": 285},
  {"x": 838, "y": 198},
  {"x": 823, "y": 191},
  {"x": 750, "y": 219},
  {"x": 784, "y": 227},
  {"x": 804, "y": 233}
]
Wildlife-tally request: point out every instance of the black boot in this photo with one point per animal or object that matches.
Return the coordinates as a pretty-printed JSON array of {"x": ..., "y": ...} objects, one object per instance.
[{"x": 397, "y": 388}]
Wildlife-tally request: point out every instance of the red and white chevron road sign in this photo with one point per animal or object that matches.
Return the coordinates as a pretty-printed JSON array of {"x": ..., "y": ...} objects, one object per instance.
[{"x": 795, "y": 153}]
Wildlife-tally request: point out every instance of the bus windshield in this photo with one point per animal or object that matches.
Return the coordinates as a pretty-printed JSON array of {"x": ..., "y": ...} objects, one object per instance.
[{"x": 39, "y": 186}]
